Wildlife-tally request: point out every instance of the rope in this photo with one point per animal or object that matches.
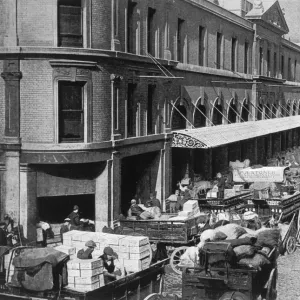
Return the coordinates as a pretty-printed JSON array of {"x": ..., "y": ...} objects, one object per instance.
[
  {"x": 279, "y": 111},
  {"x": 284, "y": 109},
  {"x": 160, "y": 66},
  {"x": 182, "y": 114},
  {"x": 250, "y": 113},
  {"x": 236, "y": 113},
  {"x": 270, "y": 111}
]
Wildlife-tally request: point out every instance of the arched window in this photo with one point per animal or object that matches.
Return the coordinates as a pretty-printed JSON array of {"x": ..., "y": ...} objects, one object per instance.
[
  {"x": 267, "y": 112},
  {"x": 179, "y": 117},
  {"x": 294, "y": 108},
  {"x": 245, "y": 113},
  {"x": 274, "y": 111},
  {"x": 288, "y": 109},
  {"x": 217, "y": 118},
  {"x": 232, "y": 113},
  {"x": 199, "y": 119},
  {"x": 260, "y": 112}
]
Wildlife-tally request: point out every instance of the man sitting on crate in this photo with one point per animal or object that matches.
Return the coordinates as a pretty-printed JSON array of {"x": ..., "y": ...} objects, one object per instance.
[
  {"x": 135, "y": 210},
  {"x": 113, "y": 269}
]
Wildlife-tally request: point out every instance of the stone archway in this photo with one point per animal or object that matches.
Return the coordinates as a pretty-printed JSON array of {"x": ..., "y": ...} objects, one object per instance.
[
  {"x": 232, "y": 115},
  {"x": 245, "y": 111},
  {"x": 216, "y": 112},
  {"x": 200, "y": 114}
]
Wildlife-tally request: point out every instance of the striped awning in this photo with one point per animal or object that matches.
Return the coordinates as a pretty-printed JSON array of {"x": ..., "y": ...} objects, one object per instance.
[{"x": 215, "y": 136}]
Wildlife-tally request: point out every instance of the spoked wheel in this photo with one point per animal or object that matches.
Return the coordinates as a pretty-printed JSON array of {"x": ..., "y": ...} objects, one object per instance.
[
  {"x": 291, "y": 245},
  {"x": 271, "y": 288},
  {"x": 234, "y": 296},
  {"x": 175, "y": 259},
  {"x": 153, "y": 297}
]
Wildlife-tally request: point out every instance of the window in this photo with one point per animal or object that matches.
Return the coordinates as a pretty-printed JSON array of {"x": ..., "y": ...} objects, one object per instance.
[
  {"x": 268, "y": 62},
  {"x": 151, "y": 89},
  {"x": 130, "y": 26},
  {"x": 131, "y": 111},
  {"x": 201, "y": 45},
  {"x": 295, "y": 70},
  {"x": 233, "y": 54},
  {"x": 289, "y": 69},
  {"x": 246, "y": 53},
  {"x": 70, "y": 23},
  {"x": 150, "y": 31},
  {"x": 218, "y": 49},
  {"x": 275, "y": 64},
  {"x": 260, "y": 60},
  {"x": 282, "y": 66},
  {"x": 71, "y": 111},
  {"x": 180, "y": 43}
]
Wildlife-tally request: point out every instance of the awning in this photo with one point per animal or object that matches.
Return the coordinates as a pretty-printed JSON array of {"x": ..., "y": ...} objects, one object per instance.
[{"x": 215, "y": 136}]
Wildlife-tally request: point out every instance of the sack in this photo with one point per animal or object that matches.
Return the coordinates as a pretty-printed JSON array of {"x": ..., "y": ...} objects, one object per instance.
[
  {"x": 233, "y": 231},
  {"x": 256, "y": 262},
  {"x": 244, "y": 251},
  {"x": 268, "y": 238},
  {"x": 216, "y": 253},
  {"x": 146, "y": 215}
]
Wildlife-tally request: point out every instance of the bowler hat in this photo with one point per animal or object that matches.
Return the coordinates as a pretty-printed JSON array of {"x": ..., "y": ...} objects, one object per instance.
[
  {"x": 67, "y": 219},
  {"x": 90, "y": 244},
  {"x": 75, "y": 207}
]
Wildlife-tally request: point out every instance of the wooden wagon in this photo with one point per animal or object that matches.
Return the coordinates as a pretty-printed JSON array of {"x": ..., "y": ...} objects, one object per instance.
[{"x": 136, "y": 286}]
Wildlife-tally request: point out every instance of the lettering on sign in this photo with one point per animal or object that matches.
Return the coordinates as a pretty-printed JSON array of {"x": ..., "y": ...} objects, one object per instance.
[{"x": 52, "y": 158}]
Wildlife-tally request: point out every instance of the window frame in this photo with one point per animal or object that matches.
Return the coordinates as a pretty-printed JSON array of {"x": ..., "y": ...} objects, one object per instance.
[
  {"x": 234, "y": 43},
  {"x": 219, "y": 42},
  {"x": 246, "y": 57},
  {"x": 74, "y": 75}
]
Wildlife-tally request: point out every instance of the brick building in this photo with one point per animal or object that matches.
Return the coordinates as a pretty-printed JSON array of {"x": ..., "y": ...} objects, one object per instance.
[{"x": 94, "y": 94}]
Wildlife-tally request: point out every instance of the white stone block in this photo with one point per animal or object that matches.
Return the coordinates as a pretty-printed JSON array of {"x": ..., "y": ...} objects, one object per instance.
[
  {"x": 124, "y": 255},
  {"x": 74, "y": 273},
  {"x": 73, "y": 264},
  {"x": 89, "y": 236},
  {"x": 101, "y": 280},
  {"x": 66, "y": 249},
  {"x": 138, "y": 249},
  {"x": 86, "y": 280},
  {"x": 90, "y": 264},
  {"x": 139, "y": 255},
  {"x": 71, "y": 279},
  {"x": 90, "y": 273},
  {"x": 190, "y": 205},
  {"x": 114, "y": 239},
  {"x": 87, "y": 287},
  {"x": 134, "y": 241},
  {"x": 124, "y": 248}
]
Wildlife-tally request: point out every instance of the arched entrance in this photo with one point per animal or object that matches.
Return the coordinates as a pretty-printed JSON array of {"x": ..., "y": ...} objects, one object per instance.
[
  {"x": 232, "y": 116},
  {"x": 179, "y": 117},
  {"x": 199, "y": 117},
  {"x": 268, "y": 114},
  {"x": 260, "y": 112},
  {"x": 217, "y": 111},
  {"x": 274, "y": 111},
  {"x": 245, "y": 112}
]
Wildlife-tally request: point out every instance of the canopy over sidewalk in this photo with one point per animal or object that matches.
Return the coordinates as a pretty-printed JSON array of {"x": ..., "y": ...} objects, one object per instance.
[{"x": 215, "y": 136}]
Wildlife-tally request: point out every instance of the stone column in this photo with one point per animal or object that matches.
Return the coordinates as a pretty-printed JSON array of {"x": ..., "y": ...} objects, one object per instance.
[
  {"x": 167, "y": 107},
  {"x": 115, "y": 42},
  {"x": 10, "y": 23},
  {"x": 103, "y": 198},
  {"x": 107, "y": 195},
  {"x": 11, "y": 204},
  {"x": 28, "y": 201},
  {"x": 115, "y": 98}
]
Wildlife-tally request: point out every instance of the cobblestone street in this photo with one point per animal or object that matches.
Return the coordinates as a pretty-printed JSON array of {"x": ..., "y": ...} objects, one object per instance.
[{"x": 288, "y": 285}]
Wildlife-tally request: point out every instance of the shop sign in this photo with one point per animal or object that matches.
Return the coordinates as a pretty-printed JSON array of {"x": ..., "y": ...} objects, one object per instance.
[{"x": 266, "y": 174}]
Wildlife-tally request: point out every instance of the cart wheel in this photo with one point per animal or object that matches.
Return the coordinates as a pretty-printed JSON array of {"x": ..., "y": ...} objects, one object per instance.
[
  {"x": 291, "y": 245},
  {"x": 153, "y": 297},
  {"x": 234, "y": 296},
  {"x": 175, "y": 259},
  {"x": 271, "y": 288}
]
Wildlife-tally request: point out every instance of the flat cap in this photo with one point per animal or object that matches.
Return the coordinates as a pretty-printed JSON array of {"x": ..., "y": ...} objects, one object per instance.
[{"x": 90, "y": 244}]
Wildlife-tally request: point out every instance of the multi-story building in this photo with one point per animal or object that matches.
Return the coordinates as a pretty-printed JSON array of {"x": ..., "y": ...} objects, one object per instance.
[{"x": 95, "y": 95}]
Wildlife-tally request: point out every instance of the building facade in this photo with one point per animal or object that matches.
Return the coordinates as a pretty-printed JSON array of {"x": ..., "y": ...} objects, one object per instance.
[{"x": 92, "y": 92}]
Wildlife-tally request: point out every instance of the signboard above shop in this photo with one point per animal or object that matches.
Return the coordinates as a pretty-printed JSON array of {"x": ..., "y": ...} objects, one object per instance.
[{"x": 265, "y": 174}]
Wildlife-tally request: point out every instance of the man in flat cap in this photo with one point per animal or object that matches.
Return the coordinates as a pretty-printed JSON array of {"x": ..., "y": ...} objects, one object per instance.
[
  {"x": 113, "y": 269},
  {"x": 74, "y": 218},
  {"x": 86, "y": 252}
]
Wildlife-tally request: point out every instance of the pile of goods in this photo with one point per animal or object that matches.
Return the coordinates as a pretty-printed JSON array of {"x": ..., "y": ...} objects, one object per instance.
[
  {"x": 133, "y": 251},
  {"x": 190, "y": 210},
  {"x": 235, "y": 246},
  {"x": 85, "y": 274}
]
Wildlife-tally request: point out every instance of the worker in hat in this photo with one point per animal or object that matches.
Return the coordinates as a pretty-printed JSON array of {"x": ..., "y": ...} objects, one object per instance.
[
  {"x": 152, "y": 201},
  {"x": 113, "y": 269},
  {"x": 86, "y": 252},
  {"x": 221, "y": 185},
  {"x": 74, "y": 218},
  {"x": 135, "y": 210},
  {"x": 65, "y": 227}
]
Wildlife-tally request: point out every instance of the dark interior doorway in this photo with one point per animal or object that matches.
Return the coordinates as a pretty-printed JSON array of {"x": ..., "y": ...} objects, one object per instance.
[{"x": 56, "y": 209}]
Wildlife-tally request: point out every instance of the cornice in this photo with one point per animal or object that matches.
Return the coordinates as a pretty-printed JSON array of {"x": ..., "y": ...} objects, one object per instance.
[{"x": 72, "y": 63}]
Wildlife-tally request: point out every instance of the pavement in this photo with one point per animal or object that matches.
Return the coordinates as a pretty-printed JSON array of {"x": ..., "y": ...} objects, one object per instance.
[{"x": 288, "y": 284}]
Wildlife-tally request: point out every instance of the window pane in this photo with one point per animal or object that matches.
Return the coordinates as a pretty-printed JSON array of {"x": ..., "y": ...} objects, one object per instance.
[
  {"x": 70, "y": 96},
  {"x": 70, "y": 20}
]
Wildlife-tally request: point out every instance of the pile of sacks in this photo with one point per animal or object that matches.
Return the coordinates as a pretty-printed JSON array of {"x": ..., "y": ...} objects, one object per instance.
[{"x": 243, "y": 246}]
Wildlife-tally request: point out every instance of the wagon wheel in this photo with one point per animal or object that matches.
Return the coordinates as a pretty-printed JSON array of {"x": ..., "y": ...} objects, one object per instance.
[
  {"x": 153, "y": 297},
  {"x": 175, "y": 259},
  {"x": 291, "y": 245},
  {"x": 234, "y": 296},
  {"x": 271, "y": 288}
]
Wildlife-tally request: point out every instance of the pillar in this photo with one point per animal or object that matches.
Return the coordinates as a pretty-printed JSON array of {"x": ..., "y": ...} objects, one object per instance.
[
  {"x": 167, "y": 51},
  {"x": 115, "y": 42},
  {"x": 107, "y": 195},
  {"x": 10, "y": 25},
  {"x": 115, "y": 98},
  {"x": 28, "y": 201},
  {"x": 11, "y": 203}
]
